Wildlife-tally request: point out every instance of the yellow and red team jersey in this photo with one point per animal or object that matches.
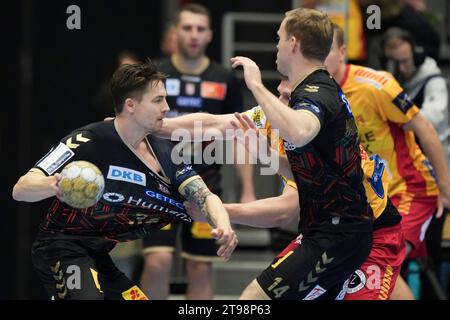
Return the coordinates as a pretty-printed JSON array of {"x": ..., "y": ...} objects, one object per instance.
[
  {"x": 377, "y": 176},
  {"x": 381, "y": 108}
]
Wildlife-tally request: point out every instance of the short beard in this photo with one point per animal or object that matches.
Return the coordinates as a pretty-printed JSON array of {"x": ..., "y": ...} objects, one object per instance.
[{"x": 186, "y": 54}]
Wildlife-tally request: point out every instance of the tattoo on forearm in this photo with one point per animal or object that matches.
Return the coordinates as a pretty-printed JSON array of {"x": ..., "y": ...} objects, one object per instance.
[{"x": 196, "y": 192}]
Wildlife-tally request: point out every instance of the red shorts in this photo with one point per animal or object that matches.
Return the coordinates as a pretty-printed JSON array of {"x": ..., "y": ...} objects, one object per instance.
[
  {"x": 376, "y": 278},
  {"x": 416, "y": 217}
]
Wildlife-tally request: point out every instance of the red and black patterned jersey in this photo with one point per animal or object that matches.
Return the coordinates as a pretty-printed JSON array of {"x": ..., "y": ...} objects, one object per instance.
[
  {"x": 328, "y": 169},
  {"x": 215, "y": 90},
  {"x": 135, "y": 199}
]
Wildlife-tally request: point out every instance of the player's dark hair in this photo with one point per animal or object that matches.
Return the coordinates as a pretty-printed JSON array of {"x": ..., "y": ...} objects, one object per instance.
[
  {"x": 131, "y": 81},
  {"x": 194, "y": 8}
]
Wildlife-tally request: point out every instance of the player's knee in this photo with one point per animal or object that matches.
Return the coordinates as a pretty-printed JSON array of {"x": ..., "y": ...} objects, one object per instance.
[
  {"x": 198, "y": 270},
  {"x": 253, "y": 292},
  {"x": 158, "y": 262}
]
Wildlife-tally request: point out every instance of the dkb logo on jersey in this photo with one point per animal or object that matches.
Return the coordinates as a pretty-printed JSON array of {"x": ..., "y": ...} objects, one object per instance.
[{"x": 127, "y": 175}]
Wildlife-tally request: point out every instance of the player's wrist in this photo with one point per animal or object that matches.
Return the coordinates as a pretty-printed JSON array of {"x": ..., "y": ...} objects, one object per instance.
[
  {"x": 444, "y": 186},
  {"x": 256, "y": 86}
]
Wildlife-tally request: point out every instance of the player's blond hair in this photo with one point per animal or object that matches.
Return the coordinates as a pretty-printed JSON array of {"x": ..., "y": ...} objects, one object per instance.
[{"x": 314, "y": 30}]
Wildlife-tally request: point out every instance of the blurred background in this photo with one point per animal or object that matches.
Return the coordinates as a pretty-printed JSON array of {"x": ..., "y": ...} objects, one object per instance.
[{"x": 51, "y": 78}]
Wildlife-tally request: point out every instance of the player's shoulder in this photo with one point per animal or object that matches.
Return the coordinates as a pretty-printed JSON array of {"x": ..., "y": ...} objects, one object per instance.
[
  {"x": 318, "y": 86},
  {"x": 100, "y": 127},
  {"x": 100, "y": 131},
  {"x": 371, "y": 79}
]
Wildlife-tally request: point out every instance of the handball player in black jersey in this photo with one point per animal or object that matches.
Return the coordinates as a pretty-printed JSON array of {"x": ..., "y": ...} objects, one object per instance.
[
  {"x": 323, "y": 158},
  {"x": 144, "y": 191}
]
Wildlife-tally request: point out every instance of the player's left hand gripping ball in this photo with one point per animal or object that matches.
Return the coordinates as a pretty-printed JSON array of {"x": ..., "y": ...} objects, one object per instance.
[{"x": 82, "y": 184}]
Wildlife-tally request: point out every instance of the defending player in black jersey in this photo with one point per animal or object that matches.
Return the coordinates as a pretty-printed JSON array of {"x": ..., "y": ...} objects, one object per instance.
[
  {"x": 322, "y": 146},
  {"x": 144, "y": 190}
]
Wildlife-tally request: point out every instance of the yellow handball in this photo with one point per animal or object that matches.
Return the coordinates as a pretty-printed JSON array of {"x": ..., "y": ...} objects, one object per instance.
[{"x": 82, "y": 184}]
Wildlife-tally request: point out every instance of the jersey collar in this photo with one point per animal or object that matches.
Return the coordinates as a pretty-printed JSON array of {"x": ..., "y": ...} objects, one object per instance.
[
  {"x": 177, "y": 62},
  {"x": 304, "y": 76}
]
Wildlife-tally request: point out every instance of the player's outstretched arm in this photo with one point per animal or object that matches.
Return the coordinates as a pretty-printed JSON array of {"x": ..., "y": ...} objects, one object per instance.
[
  {"x": 271, "y": 212},
  {"x": 265, "y": 213},
  {"x": 199, "y": 120},
  {"x": 243, "y": 122},
  {"x": 212, "y": 208},
  {"x": 35, "y": 186}
]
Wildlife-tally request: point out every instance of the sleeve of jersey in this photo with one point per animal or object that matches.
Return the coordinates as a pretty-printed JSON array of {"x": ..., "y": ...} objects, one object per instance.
[
  {"x": 257, "y": 115},
  {"x": 177, "y": 173},
  {"x": 309, "y": 104},
  {"x": 288, "y": 182},
  {"x": 394, "y": 102},
  {"x": 75, "y": 146},
  {"x": 282, "y": 151}
]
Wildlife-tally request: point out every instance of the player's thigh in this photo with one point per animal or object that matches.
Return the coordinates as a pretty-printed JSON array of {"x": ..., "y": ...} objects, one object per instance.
[
  {"x": 376, "y": 278},
  {"x": 112, "y": 282},
  {"x": 314, "y": 268},
  {"x": 66, "y": 270}
]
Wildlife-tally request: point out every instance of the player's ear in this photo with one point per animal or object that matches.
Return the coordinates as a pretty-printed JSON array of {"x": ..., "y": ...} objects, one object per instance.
[
  {"x": 294, "y": 43},
  {"x": 129, "y": 105},
  {"x": 343, "y": 51}
]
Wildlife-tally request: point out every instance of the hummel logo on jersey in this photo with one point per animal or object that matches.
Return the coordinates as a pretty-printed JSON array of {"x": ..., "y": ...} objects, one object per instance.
[
  {"x": 127, "y": 175},
  {"x": 311, "y": 88},
  {"x": 75, "y": 143}
]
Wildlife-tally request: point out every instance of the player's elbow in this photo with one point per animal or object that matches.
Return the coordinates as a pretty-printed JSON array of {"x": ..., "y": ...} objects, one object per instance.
[
  {"x": 285, "y": 218},
  {"x": 300, "y": 136},
  {"x": 20, "y": 189},
  {"x": 18, "y": 193}
]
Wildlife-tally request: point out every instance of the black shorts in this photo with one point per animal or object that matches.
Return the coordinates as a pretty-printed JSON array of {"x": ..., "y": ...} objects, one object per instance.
[
  {"x": 316, "y": 267},
  {"x": 72, "y": 270},
  {"x": 196, "y": 241}
]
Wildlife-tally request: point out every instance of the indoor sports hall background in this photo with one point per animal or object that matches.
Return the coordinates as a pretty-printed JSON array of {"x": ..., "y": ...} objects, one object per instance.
[{"x": 50, "y": 75}]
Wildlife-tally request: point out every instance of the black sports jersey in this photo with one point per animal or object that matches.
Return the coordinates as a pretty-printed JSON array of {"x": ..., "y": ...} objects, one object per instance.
[
  {"x": 328, "y": 169},
  {"x": 135, "y": 198},
  {"x": 215, "y": 91}
]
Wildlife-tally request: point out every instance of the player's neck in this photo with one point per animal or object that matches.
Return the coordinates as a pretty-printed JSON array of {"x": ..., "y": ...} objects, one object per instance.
[
  {"x": 190, "y": 66},
  {"x": 129, "y": 134},
  {"x": 340, "y": 74},
  {"x": 304, "y": 70}
]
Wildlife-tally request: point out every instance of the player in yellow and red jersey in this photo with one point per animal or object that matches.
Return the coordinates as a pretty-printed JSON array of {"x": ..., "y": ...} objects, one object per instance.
[{"x": 387, "y": 121}]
